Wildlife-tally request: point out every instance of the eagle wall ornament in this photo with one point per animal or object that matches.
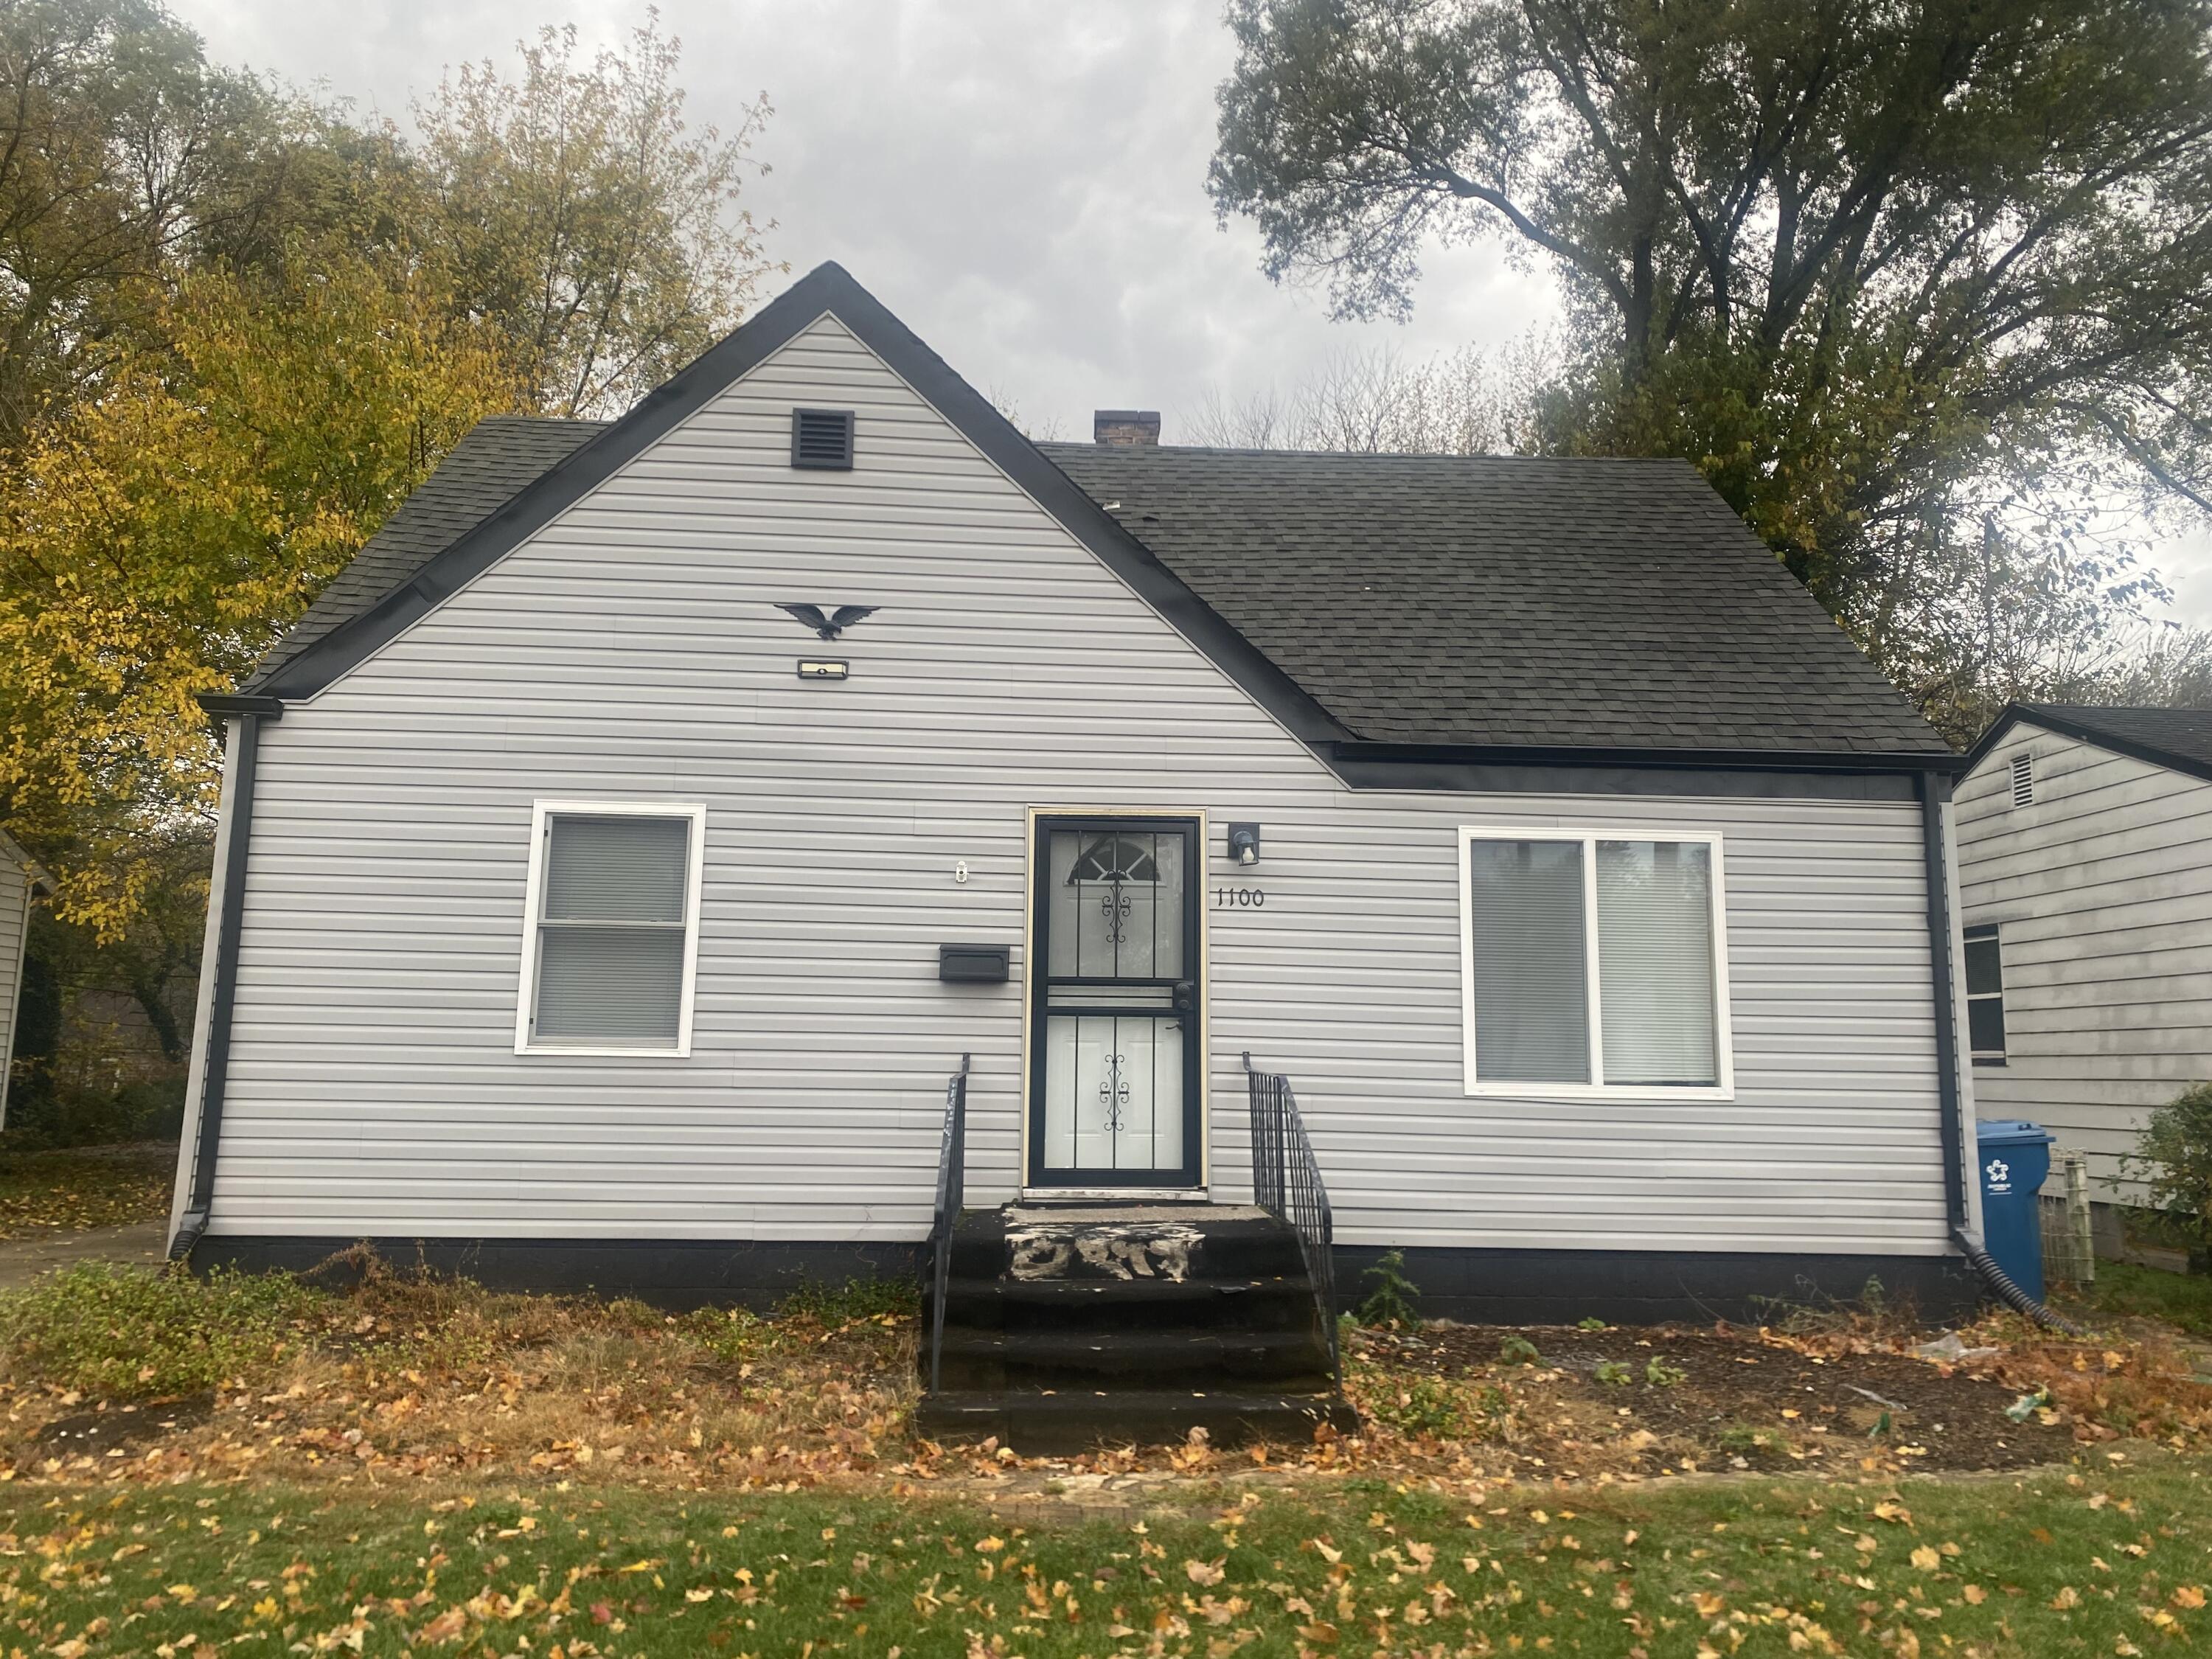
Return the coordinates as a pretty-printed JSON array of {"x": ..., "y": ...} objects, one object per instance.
[{"x": 834, "y": 622}]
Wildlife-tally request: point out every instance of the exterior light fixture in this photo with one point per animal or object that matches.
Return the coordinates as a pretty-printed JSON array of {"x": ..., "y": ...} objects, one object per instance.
[{"x": 1244, "y": 843}]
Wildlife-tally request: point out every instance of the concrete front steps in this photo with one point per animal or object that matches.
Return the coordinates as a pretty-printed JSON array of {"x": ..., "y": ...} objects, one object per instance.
[{"x": 1069, "y": 1326}]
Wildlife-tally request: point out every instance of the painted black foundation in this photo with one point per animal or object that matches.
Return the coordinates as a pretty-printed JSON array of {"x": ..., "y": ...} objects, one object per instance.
[
  {"x": 668, "y": 1273},
  {"x": 1476, "y": 1286},
  {"x": 1639, "y": 1287}
]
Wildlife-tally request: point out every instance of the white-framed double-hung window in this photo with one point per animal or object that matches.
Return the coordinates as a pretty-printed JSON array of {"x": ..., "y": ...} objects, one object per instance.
[
  {"x": 610, "y": 928},
  {"x": 1594, "y": 964}
]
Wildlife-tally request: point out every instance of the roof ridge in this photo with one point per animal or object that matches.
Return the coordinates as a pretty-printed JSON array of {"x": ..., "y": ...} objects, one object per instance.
[{"x": 1137, "y": 450}]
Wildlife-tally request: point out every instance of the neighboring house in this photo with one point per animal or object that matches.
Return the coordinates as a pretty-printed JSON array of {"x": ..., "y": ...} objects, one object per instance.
[
  {"x": 2085, "y": 869},
  {"x": 22, "y": 881},
  {"x": 582, "y": 915}
]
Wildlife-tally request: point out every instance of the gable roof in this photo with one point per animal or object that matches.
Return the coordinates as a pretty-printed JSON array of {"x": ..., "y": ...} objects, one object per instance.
[
  {"x": 495, "y": 459},
  {"x": 1381, "y": 607},
  {"x": 2179, "y": 739},
  {"x": 1507, "y": 601}
]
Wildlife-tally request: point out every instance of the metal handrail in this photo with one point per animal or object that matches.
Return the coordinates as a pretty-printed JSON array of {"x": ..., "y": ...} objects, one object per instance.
[
  {"x": 1286, "y": 1183},
  {"x": 952, "y": 1178}
]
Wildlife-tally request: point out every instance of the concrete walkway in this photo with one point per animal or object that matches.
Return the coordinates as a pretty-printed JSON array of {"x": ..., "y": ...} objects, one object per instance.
[{"x": 22, "y": 1260}]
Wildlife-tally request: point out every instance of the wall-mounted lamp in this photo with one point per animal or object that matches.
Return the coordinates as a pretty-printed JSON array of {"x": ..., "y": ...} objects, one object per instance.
[{"x": 1244, "y": 843}]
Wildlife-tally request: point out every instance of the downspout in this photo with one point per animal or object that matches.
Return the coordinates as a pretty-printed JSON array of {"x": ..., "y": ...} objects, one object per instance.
[
  {"x": 1934, "y": 789},
  {"x": 249, "y": 712}
]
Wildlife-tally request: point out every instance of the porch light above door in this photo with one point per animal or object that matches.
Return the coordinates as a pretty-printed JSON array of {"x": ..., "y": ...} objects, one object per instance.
[{"x": 1244, "y": 843}]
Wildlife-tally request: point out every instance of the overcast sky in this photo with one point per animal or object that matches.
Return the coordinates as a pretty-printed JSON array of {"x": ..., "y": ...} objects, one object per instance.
[{"x": 1021, "y": 180}]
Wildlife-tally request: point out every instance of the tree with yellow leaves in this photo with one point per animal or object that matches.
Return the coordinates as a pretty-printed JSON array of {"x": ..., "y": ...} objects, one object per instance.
[{"x": 156, "y": 538}]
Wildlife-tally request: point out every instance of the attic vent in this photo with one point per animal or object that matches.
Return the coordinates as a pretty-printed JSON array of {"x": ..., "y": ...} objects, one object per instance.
[
  {"x": 822, "y": 439},
  {"x": 2023, "y": 781}
]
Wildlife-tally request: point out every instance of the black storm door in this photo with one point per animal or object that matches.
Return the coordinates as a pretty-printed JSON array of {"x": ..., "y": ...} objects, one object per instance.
[{"x": 1115, "y": 1048}]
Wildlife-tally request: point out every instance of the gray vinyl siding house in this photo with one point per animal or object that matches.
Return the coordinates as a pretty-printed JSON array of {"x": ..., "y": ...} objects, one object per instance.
[
  {"x": 1385, "y": 664},
  {"x": 2085, "y": 857},
  {"x": 21, "y": 880}
]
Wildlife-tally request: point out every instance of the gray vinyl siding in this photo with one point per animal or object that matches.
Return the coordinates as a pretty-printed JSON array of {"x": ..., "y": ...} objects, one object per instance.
[
  {"x": 15, "y": 933},
  {"x": 632, "y": 651},
  {"x": 2101, "y": 891}
]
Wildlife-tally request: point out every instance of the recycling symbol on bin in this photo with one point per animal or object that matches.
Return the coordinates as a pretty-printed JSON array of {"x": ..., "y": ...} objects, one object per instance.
[{"x": 1999, "y": 1173}]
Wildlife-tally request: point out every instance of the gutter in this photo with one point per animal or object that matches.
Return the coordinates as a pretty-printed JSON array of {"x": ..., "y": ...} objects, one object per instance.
[
  {"x": 1942, "y": 765},
  {"x": 249, "y": 711},
  {"x": 1934, "y": 788}
]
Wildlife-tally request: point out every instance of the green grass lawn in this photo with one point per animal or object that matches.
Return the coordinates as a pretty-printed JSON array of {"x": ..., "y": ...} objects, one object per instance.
[
  {"x": 2113, "y": 1561},
  {"x": 2183, "y": 1300}
]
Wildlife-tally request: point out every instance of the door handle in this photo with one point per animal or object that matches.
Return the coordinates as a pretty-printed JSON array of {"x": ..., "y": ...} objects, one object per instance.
[{"x": 1186, "y": 996}]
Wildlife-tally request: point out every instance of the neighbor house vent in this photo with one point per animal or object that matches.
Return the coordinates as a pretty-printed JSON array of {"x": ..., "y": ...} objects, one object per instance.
[
  {"x": 2023, "y": 781},
  {"x": 822, "y": 438}
]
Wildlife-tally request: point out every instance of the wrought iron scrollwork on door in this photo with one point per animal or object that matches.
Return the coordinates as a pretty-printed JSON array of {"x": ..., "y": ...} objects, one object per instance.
[
  {"x": 1117, "y": 861},
  {"x": 1114, "y": 1092},
  {"x": 1116, "y": 908}
]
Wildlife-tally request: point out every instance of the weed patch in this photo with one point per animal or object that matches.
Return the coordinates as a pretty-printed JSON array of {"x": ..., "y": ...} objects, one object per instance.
[
  {"x": 854, "y": 1302},
  {"x": 131, "y": 1332}
]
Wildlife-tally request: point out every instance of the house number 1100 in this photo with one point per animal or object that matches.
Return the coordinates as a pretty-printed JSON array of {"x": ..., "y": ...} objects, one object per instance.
[{"x": 1239, "y": 898}]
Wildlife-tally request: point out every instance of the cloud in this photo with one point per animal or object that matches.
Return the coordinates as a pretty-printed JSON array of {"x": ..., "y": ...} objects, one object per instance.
[{"x": 1023, "y": 181}]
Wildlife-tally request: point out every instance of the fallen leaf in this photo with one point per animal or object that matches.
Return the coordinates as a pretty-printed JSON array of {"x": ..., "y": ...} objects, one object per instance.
[
  {"x": 445, "y": 1627},
  {"x": 1202, "y": 1572}
]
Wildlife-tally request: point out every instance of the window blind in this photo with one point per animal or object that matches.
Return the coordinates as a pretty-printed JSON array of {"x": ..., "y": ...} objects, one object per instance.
[
  {"x": 612, "y": 933},
  {"x": 1531, "y": 992},
  {"x": 1655, "y": 953}
]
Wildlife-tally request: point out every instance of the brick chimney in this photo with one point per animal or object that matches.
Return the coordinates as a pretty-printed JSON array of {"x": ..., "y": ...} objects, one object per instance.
[{"x": 1127, "y": 429}]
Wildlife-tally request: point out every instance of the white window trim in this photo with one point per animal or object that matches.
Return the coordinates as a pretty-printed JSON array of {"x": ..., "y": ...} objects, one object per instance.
[
  {"x": 1599, "y": 1090},
  {"x": 532, "y": 899},
  {"x": 1979, "y": 933}
]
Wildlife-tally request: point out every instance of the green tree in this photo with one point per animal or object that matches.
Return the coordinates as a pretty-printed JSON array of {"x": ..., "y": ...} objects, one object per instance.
[
  {"x": 572, "y": 209},
  {"x": 158, "y": 537},
  {"x": 1924, "y": 288},
  {"x": 122, "y": 152}
]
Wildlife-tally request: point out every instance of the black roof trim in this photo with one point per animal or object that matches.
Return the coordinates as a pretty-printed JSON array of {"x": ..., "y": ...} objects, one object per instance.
[
  {"x": 223, "y": 704},
  {"x": 1429, "y": 756},
  {"x": 2070, "y": 724},
  {"x": 827, "y": 289}
]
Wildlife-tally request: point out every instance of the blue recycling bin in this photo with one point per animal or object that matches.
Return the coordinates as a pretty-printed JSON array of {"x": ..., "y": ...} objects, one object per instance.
[{"x": 2014, "y": 1158}]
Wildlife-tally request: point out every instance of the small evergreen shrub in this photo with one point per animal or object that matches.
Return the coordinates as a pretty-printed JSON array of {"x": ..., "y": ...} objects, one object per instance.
[
  {"x": 2173, "y": 1159},
  {"x": 1518, "y": 1350},
  {"x": 1394, "y": 1299},
  {"x": 124, "y": 1332}
]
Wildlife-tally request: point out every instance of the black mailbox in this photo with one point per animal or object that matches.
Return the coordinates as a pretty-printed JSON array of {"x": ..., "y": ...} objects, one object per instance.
[{"x": 974, "y": 964}]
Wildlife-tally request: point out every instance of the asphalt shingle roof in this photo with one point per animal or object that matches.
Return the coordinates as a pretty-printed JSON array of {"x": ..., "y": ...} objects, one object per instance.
[
  {"x": 1420, "y": 600},
  {"x": 2184, "y": 733},
  {"x": 1506, "y": 600},
  {"x": 495, "y": 459}
]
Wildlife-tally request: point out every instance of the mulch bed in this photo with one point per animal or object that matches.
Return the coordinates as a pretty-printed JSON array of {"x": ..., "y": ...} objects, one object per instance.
[{"x": 1747, "y": 1402}]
